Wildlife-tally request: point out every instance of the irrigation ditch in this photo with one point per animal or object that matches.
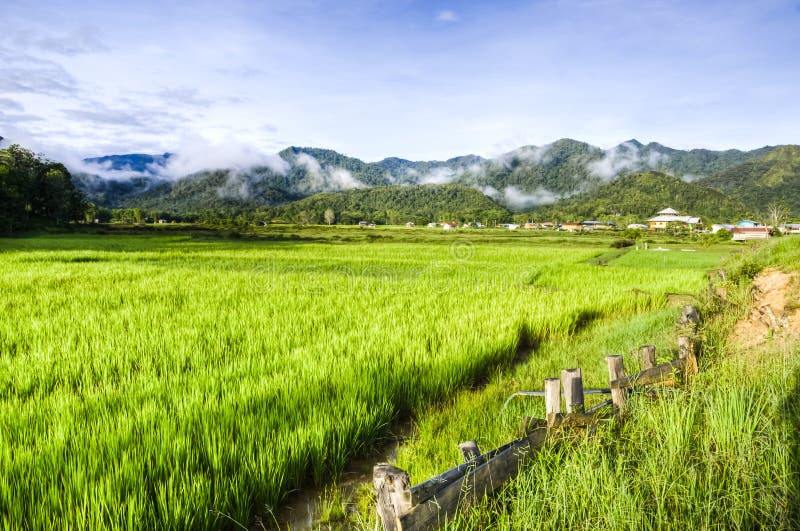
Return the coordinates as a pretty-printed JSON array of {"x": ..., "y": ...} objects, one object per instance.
[{"x": 304, "y": 509}]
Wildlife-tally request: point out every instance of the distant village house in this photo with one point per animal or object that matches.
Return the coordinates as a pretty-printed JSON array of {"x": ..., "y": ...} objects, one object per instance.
[
  {"x": 596, "y": 225},
  {"x": 790, "y": 228},
  {"x": 571, "y": 227},
  {"x": 670, "y": 217},
  {"x": 748, "y": 229}
]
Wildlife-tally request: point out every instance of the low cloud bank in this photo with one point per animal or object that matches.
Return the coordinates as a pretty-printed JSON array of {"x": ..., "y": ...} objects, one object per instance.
[
  {"x": 198, "y": 154},
  {"x": 625, "y": 157},
  {"x": 324, "y": 179}
]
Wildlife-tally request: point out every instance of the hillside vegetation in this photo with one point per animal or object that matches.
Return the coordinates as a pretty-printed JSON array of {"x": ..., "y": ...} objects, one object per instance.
[
  {"x": 641, "y": 195},
  {"x": 772, "y": 178},
  {"x": 394, "y": 205},
  {"x": 35, "y": 191}
]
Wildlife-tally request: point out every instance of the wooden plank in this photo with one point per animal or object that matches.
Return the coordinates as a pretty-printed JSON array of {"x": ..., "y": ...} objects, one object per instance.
[
  {"x": 529, "y": 425},
  {"x": 476, "y": 483},
  {"x": 427, "y": 489},
  {"x": 616, "y": 371},
  {"x": 573, "y": 420},
  {"x": 572, "y": 380},
  {"x": 648, "y": 357},
  {"x": 658, "y": 374}
]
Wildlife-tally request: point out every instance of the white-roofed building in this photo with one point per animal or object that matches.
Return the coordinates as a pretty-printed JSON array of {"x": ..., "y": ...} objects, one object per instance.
[{"x": 669, "y": 216}]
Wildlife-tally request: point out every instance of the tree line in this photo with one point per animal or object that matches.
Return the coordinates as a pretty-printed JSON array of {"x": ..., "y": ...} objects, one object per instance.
[{"x": 35, "y": 191}]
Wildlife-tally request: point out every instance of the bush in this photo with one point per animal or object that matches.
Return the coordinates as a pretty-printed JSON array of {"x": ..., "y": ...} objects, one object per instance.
[{"x": 619, "y": 244}]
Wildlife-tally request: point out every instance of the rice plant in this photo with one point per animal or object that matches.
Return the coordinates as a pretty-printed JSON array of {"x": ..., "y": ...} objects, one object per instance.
[{"x": 178, "y": 382}]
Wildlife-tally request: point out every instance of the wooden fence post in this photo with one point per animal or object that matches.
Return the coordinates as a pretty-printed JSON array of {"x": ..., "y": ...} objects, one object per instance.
[
  {"x": 469, "y": 450},
  {"x": 552, "y": 399},
  {"x": 572, "y": 380},
  {"x": 689, "y": 318},
  {"x": 686, "y": 353},
  {"x": 648, "y": 355},
  {"x": 616, "y": 370},
  {"x": 393, "y": 493}
]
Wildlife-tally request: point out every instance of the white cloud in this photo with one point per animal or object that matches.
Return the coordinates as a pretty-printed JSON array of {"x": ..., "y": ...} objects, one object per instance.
[
  {"x": 622, "y": 158},
  {"x": 443, "y": 175},
  {"x": 531, "y": 154},
  {"x": 491, "y": 191},
  {"x": 238, "y": 185},
  {"x": 518, "y": 200},
  {"x": 328, "y": 179},
  {"x": 196, "y": 153},
  {"x": 447, "y": 15},
  {"x": 7, "y": 104}
]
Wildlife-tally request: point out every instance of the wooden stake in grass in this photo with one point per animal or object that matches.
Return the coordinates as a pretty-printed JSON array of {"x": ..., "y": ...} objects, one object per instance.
[
  {"x": 469, "y": 450},
  {"x": 572, "y": 380},
  {"x": 616, "y": 370},
  {"x": 686, "y": 353},
  {"x": 552, "y": 398},
  {"x": 648, "y": 355},
  {"x": 393, "y": 493}
]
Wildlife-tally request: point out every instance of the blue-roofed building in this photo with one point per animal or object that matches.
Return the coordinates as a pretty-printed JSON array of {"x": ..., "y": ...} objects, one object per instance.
[{"x": 748, "y": 224}]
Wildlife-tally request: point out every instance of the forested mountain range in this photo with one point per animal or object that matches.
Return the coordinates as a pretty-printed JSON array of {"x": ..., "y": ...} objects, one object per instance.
[
  {"x": 563, "y": 180},
  {"x": 520, "y": 180}
]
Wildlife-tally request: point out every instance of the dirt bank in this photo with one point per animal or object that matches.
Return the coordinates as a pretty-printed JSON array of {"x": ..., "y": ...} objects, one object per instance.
[{"x": 775, "y": 312}]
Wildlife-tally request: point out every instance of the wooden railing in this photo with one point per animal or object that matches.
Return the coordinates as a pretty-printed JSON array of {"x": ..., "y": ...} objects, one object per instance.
[{"x": 427, "y": 505}]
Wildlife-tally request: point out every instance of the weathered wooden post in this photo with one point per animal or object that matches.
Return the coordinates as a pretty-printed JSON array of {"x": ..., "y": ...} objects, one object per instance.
[
  {"x": 552, "y": 399},
  {"x": 616, "y": 371},
  {"x": 689, "y": 318},
  {"x": 393, "y": 493},
  {"x": 686, "y": 353},
  {"x": 572, "y": 380},
  {"x": 648, "y": 355},
  {"x": 469, "y": 450}
]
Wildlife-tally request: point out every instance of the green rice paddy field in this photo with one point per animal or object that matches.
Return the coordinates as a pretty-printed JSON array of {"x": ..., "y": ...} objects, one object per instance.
[{"x": 179, "y": 381}]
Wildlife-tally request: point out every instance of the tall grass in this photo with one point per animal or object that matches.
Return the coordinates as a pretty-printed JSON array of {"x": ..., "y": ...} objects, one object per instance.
[
  {"x": 172, "y": 382},
  {"x": 723, "y": 453}
]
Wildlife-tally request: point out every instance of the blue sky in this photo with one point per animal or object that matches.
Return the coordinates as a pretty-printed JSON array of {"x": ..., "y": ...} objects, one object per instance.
[{"x": 420, "y": 80}]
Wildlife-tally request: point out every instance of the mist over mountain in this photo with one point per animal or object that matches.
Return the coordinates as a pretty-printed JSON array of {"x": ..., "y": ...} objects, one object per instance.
[
  {"x": 133, "y": 162},
  {"x": 520, "y": 180}
]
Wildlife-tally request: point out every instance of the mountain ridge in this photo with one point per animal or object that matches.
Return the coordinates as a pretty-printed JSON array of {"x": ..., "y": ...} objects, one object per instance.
[{"x": 521, "y": 179}]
